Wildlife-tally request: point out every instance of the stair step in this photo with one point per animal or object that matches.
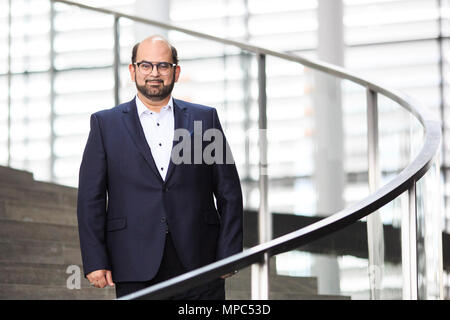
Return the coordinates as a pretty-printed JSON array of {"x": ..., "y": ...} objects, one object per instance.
[
  {"x": 38, "y": 274},
  {"x": 35, "y": 195},
  {"x": 38, "y": 292},
  {"x": 53, "y": 187},
  {"x": 242, "y": 282},
  {"x": 27, "y": 211},
  {"x": 307, "y": 285},
  {"x": 14, "y": 230},
  {"x": 34, "y": 251},
  {"x": 15, "y": 176},
  {"x": 41, "y": 186}
]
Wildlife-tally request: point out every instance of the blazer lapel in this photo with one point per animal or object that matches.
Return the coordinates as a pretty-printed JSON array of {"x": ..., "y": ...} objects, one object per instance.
[
  {"x": 182, "y": 121},
  {"x": 134, "y": 127}
]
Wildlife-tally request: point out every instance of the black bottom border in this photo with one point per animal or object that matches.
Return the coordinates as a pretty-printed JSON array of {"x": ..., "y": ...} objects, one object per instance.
[{"x": 228, "y": 309}]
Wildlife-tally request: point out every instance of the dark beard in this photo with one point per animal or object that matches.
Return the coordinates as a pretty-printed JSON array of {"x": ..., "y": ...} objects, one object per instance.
[{"x": 160, "y": 95}]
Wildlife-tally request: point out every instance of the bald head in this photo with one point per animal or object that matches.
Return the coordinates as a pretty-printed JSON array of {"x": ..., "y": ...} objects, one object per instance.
[{"x": 157, "y": 44}]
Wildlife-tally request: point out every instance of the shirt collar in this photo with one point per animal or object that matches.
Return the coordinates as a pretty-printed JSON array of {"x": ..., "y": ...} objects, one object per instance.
[{"x": 141, "y": 108}]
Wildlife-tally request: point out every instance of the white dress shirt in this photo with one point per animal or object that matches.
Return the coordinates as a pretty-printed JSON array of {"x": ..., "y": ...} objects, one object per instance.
[{"x": 159, "y": 131}]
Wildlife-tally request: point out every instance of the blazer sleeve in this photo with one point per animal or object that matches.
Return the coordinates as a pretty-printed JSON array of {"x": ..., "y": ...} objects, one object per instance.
[
  {"x": 228, "y": 193},
  {"x": 91, "y": 206}
]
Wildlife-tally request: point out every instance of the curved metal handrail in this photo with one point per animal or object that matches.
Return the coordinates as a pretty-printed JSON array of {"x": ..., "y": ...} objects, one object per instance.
[
  {"x": 398, "y": 185},
  {"x": 290, "y": 241}
]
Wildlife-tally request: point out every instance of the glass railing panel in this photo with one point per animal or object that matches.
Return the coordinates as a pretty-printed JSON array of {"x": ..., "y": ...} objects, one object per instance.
[
  {"x": 291, "y": 136},
  {"x": 429, "y": 235},
  {"x": 386, "y": 278},
  {"x": 355, "y": 159},
  {"x": 400, "y": 137},
  {"x": 321, "y": 270},
  {"x": 337, "y": 265}
]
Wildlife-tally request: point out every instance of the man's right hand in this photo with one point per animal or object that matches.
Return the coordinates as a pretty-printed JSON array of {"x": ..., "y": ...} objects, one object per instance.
[{"x": 100, "y": 278}]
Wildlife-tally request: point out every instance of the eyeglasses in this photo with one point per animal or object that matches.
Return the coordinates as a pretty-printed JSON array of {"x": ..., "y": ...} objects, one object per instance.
[{"x": 146, "y": 67}]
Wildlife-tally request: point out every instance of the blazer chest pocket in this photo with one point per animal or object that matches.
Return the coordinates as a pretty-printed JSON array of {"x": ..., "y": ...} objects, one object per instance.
[
  {"x": 116, "y": 224},
  {"x": 211, "y": 217}
]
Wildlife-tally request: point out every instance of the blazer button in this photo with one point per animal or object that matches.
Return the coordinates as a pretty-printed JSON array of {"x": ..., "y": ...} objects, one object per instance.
[
  {"x": 163, "y": 219},
  {"x": 166, "y": 189}
]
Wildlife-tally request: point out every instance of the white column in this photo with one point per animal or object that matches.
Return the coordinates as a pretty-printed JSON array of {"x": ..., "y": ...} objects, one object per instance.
[
  {"x": 329, "y": 175},
  {"x": 154, "y": 10}
]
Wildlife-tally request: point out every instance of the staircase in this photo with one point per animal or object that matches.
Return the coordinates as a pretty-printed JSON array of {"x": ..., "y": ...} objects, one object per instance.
[
  {"x": 39, "y": 248},
  {"x": 39, "y": 240}
]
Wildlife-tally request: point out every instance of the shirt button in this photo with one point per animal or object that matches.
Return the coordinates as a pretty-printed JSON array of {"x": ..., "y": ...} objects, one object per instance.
[
  {"x": 160, "y": 144},
  {"x": 162, "y": 168},
  {"x": 157, "y": 124}
]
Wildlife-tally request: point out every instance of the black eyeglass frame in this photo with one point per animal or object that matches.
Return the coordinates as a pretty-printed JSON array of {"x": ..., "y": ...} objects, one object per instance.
[{"x": 153, "y": 64}]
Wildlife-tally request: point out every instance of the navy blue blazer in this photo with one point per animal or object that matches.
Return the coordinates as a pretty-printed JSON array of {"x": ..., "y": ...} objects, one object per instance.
[{"x": 125, "y": 207}]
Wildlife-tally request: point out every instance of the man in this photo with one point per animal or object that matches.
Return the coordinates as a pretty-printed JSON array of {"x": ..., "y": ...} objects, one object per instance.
[{"x": 143, "y": 218}]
